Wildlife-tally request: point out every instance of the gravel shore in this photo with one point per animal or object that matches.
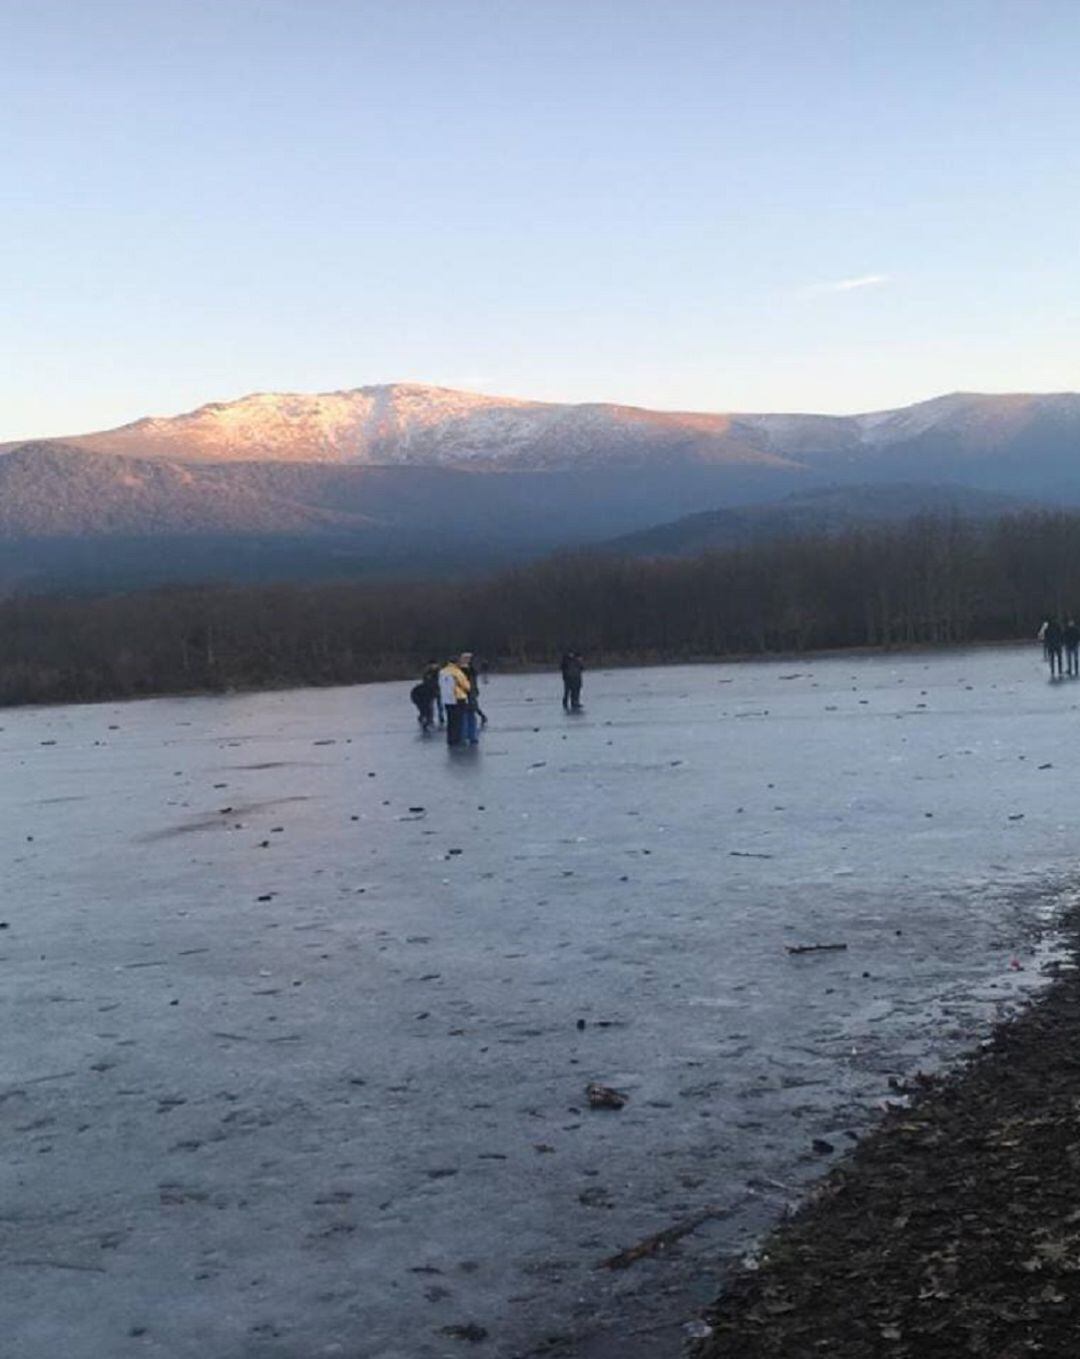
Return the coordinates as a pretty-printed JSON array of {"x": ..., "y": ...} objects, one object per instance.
[{"x": 952, "y": 1230}]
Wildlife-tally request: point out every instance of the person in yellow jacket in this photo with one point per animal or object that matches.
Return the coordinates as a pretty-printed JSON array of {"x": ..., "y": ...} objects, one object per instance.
[{"x": 455, "y": 689}]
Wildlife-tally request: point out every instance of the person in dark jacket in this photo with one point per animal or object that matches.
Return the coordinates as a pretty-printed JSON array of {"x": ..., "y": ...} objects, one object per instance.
[
  {"x": 473, "y": 712},
  {"x": 431, "y": 678},
  {"x": 573, "y": 668},
  {"x": 1052, "y": 643},
  {"x": 1070, "y": 636},
  {"x": 425, "y": 696}
]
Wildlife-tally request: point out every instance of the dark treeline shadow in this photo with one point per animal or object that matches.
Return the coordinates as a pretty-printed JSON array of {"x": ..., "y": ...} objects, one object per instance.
[{"x": 925, "y": 581}]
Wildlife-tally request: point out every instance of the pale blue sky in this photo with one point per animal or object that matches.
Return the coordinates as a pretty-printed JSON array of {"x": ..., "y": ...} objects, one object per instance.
[{"x": 648, "y": 201}]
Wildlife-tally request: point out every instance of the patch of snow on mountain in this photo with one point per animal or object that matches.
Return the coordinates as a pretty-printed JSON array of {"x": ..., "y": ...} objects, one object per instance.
[
  {"x": 795, "y": 434},
  {"x": 967, "y": 416}
]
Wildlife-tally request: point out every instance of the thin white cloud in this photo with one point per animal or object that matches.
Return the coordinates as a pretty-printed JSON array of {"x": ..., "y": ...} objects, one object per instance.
[{"x": 845, "y": 285}]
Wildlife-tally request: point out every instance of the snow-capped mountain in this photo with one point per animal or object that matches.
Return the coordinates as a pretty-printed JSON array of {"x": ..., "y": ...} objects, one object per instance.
[
  {"x": 410, "y": 425},
  {"x": 979, "y": 423},
  {"x": 406, "y": 471},
  {"x": 968, "y": 421}
]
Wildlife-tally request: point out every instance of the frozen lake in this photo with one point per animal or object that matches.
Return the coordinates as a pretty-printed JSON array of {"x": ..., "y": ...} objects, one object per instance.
[{"x": 292, "y": 1068}]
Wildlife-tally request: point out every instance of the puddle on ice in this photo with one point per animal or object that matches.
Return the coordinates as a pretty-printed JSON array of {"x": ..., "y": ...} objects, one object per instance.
[{"x": 316, "y": 1084}]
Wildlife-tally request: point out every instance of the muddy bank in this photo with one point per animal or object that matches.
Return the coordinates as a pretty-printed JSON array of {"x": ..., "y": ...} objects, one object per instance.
[{"x": 952, "y": 1230}]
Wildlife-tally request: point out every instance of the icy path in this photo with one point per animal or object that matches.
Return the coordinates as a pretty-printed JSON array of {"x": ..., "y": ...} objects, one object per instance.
[{"x": 292, "y": 1069}]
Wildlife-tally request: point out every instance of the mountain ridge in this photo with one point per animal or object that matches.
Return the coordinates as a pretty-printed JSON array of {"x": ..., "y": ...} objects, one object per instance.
[
  {"x": 413, "y": 424},
  {"x": 409, "y": 424}
]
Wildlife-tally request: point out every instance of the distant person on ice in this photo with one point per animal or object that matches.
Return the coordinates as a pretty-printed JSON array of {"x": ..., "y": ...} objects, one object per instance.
[
  {"x": 1051, "y": 636},
  {"x": 431, "y": 676},
  {"x": 573, "y": 668},
  {"x": 473, "y": 710},
  {"x": 1070, "y": 635},
  {"x": 423, "y": 696},
  {"x": 454, "y": 687}
]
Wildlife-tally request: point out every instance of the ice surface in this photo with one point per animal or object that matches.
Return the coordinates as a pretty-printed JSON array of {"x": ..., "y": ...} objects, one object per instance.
[{"x": 286, "y": 1075}]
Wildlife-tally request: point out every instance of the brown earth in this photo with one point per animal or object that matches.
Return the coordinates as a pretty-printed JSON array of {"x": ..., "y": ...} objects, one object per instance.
[{"x": 952, "y": 1230}]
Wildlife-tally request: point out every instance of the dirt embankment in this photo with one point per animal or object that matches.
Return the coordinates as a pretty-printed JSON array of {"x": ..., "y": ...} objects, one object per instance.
[{"x": 952, "y": 1230}]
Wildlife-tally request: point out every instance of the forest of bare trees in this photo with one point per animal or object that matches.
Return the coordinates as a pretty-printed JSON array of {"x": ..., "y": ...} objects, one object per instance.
[{"x": 927, "y": 581}]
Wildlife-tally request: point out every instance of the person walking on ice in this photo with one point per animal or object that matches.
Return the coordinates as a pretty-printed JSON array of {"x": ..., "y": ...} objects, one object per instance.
[
  {"x": 573, "y": 668},
  {"x": 1070, "y": 635},
  {"x": 1051, "y": 636}
]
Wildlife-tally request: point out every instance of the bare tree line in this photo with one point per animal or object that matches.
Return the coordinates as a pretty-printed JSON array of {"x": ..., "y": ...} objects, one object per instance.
[{"x": 928, "y": 580}]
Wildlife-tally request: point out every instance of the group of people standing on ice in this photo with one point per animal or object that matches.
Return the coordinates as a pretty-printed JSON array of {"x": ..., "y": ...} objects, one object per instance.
[
  {"x": 1061, "y": 642},
  {"x": 450, "y": 695}
]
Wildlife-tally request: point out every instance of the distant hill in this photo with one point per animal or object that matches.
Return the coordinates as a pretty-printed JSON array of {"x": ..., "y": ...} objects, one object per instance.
[
  {"x": 61, "y": 490},
  {"x": 64, "y": 490},
  {"x": 830, "y": 510}
]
